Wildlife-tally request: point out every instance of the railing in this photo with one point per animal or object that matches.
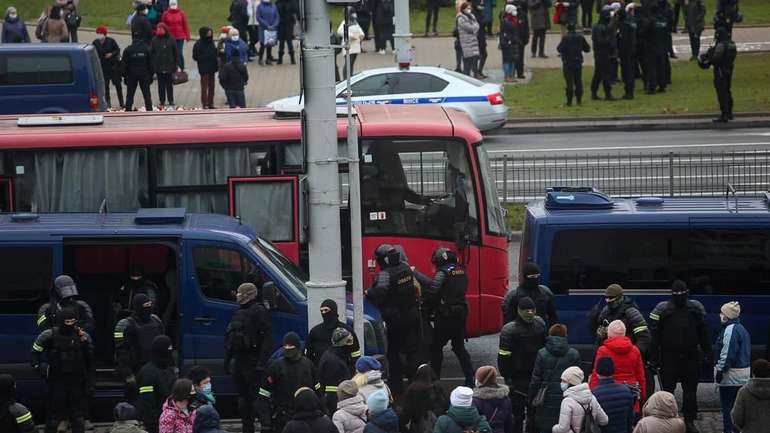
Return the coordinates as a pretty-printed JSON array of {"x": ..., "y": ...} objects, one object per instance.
[{"x": 523, "y": 178}]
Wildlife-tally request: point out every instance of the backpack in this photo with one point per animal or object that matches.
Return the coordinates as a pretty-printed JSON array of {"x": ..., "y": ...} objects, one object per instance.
[
  {"x": 40, "y": 29},
  {"x": 589, "y": 425}
]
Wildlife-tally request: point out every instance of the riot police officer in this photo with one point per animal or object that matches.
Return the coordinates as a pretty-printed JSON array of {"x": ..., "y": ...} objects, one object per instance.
[
  {"x": 394, "y": 292},
  {"x": 604, "y": 44},
  {"x": 680, "y": 344},
  {"x": 283, "y": 378},
  {"x": 137, "y": 283},
  {"x": 248, "y": 342},
  {"x": 14, "y": 417},
  {"x": 444, "y": 302},
  {"x": 64, "y": 294},
  {"x": 520, "y": 341},
  {"x": 722, "y": 57},
  {"x": 335, "y": 367},
  {"x": 133, "y": 340},
  {"x": 530, "y": 288},
  {"x": 156, "y": 381},
  {"x": 320, "y": 337},
  {"x": 63, "y": 355},
  {"x": 627, "y": 49}
]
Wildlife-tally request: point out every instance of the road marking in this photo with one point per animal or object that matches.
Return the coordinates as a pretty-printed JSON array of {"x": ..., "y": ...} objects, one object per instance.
[{"x": 658, "y": 146}]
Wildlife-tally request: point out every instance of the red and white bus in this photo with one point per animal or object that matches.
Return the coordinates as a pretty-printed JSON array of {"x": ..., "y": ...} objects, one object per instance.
[{"x": 424, "y": 181}]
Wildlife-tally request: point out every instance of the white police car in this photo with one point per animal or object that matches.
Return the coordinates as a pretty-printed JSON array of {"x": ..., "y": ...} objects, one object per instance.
[{"x": 422, "y": 85}]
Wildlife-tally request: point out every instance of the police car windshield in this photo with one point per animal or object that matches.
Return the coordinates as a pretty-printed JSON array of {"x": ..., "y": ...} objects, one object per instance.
[{"x": 280, "y": 265}]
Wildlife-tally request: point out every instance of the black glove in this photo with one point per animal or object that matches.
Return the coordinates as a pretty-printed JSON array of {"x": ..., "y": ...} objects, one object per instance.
[{"x": 719, "y": 376}]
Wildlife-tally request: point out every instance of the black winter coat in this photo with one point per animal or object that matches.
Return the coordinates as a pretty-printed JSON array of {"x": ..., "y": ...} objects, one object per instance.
[
  {"x": 205, "y": 53},
  {"x": 155, "y": 382},
  {"x": 111, "y": 66},
  {"x": 618, "y": 402},
  {"x": 551, "y": 362},
  {"x": 571, "y": 48},
  {"x": 333, "y": 368},
  {"x": 542, "y": 296},
  {"x": 136, "y": 62},
  {"x": 234, "y": 75},
  {"x": 309, "y": 418},
  {"x": 288, "y": 10},
  {"x": 520, "y": 342},
  {"x": 320, "y": 339},
  {"x": 284, "y": 377},
  {"x": 510, "y": 41},
  {"x": 165, "y": 56}
]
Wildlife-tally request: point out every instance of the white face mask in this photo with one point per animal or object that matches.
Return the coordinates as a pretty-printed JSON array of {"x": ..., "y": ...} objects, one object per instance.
[
  {"x": 235, "y": 38},
  {"x": 101, "y": 37},
  {"x": 12, "y": 16},
  {"x": 564, "y": 386}
]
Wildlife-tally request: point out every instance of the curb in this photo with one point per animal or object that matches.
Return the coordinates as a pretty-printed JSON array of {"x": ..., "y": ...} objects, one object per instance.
[{"x": 548, "y": 126}]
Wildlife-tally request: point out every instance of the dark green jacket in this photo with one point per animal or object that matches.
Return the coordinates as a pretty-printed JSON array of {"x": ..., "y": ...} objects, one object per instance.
[
  {"x": 551, "y": 362},
  {"x": 460, "y": 420}
]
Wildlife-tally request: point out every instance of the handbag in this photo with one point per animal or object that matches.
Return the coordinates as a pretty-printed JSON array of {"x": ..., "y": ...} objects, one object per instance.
[
  {"x": 271, "y": 38},
  {"x": 539, "y": 398},
  {"x": 180, "y": 77}
]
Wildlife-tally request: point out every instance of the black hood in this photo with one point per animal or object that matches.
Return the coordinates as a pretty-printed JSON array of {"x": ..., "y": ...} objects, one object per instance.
[
  {"x": 161, "y": 353},
  {"x": 203, "y": 33},
  {"x": 7, "y": 387},
  {"x": 307, "y": 402}
]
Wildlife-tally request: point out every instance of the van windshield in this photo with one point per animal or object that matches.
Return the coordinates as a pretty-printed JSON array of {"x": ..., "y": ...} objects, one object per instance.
[{"x": 279, "y": 264}]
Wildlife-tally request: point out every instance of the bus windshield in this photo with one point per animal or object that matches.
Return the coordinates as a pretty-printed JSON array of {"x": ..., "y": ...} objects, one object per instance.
[
  {"x": 495, "y": 218},
  {"x": 282, "y": 266},
  {"x": 418, "y": 187}
]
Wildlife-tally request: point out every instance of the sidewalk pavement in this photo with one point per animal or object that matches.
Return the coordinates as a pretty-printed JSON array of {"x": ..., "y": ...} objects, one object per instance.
[{"x": 268, "y": 83}]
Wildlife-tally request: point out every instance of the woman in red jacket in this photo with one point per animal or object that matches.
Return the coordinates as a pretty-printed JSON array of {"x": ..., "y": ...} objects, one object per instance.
[
  {"x": 176, "y": 20},
  {"x": 629, "y": 368}
]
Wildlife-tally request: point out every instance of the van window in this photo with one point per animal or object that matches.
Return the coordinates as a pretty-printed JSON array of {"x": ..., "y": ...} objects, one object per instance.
[
  {"x": 20, "y": 69},
  {"x": 26, "y": 278},
  {"x": 220, "y": 271}
]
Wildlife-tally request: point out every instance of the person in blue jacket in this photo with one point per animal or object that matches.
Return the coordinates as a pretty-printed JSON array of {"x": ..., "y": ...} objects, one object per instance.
[
  {"x": 615, "y": 398},
  {"x": 268, "y": 19},
  {"x": 732, "y": 353}
]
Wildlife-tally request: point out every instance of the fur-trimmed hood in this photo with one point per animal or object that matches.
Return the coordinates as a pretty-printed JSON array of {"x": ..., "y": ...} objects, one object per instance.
[{"x": 491, "y": 392}]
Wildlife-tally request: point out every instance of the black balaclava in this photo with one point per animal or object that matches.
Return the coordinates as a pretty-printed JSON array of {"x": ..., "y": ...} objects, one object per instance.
[
  {"x": 530, "y": 269},
  {"x": 292, "y": 339},
  {"x": 68, "y": 313},
  {"x": 161, "y": 351},
  {"x": 204, "y": 31},
  {"x": 138, "y": 308},
  {"x": 305, "y": 400},
  {"x": 332, "y": 316},
  {"x": 679, "y": 293},
  {"x": 7, "y": 388}
]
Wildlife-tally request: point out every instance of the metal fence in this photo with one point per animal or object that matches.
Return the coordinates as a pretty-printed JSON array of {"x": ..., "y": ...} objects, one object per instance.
[{"x": 524, "y": 178}]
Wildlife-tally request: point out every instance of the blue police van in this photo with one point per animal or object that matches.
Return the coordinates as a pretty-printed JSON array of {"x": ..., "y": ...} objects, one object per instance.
[
  {"x": 584, "y": 241},
  {"x": 196, "y": 260},
  {"x": 50, "y": 78}
]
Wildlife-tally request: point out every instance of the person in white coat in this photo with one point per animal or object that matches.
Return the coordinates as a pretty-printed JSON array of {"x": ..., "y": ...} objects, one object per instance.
[
  {"x": 355, "y": 36},
  {"x": 577, "y": 401},
  {"x": 252, "y": 26}
]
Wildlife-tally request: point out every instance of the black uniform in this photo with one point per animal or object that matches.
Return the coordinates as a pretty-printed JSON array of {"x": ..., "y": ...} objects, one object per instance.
[
  {"x": 395, "y": 293},
  {"x": 64, "y": 356},
  {"x": 126, "y": 293},
  {"x": 680, "y": 343},
  {"x": 248, "y": 342},
  {"x": 320, "y": 337},
  {"x": 571, "y": 48},
  {"x": 48, "y": 315},
  {"x": 156, "y": 381},
  {"x": 134, "y": 336},
  {"x": 444, "y": 301},
  {"x": 627, "y": 52},
  {"x": 604, "y": 43},
  {"x": 659, "y": 33},
  {"x": 542, "y": 296},
  {"x": 141, "y": 26},
  {"x": 283, "y": 378},
  {"x": 14, "y": 417},
  {"x": 110, "y": 67},
  {"x": 587, "y": 13},
  {"x": 335, "y": 367},
  {"x": 137, "y": 70},
  {"x": 727, "y": 14},
  {"x": 722, "y": 57},
  {"x": 519, "y": 344}
]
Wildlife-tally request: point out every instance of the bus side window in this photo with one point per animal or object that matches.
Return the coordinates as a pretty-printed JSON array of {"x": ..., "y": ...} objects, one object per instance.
[{"x": 26, "y": 278}]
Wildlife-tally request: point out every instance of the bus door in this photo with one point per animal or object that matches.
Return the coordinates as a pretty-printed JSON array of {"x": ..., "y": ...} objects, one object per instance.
[
  {"x": 271, "y": 205},
  {"x": 6, "y": 194}
]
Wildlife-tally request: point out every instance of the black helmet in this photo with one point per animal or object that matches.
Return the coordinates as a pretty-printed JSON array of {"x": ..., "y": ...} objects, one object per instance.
[
  {"x": 442, "y": 256},
  {"x": 64, "y": 286},
  {"x": 387, "y": 256}
]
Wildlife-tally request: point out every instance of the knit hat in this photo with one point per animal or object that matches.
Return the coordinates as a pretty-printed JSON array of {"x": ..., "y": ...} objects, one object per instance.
[
  {"x": 198, "y": 373},
  {"x": 558, "y": 330},
  {"x": 630, "y": 6},
  {"x": 613, "y": 291},
  {"x": 291, "y": 339},
  {"x": 486, "y": 375},
  {"x": 367, "y": 363},
  {"x": 616, "y": 329},
  {"x": 347, "y": 389},
  {"x": 526, "y": 303},
  {"x": 124, "y": 412},
  {"x": 377, "y": 402},
  {"x": 247, "y": 292},
  {"x": 330, "y": 304},
  {"x": 605, "y": 367},
  {"x": 510, "y": 10},
  {"x": 341, "y": 337},
  {"x": 462, "y": 396},
  {"x": 101, "y": 30},
  {"x": 233, "y": 32},
  {"x": 573, "y": 376},
  {"x": 731, "y": 310},
  {"x": 173, "y": 3}
]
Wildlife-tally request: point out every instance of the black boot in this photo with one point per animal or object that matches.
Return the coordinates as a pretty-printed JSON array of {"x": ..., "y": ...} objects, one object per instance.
[
  {"x": 594, "y": 96},
  {"x": 291, "y": 57},
  {"x": 579, "y": 100},
  {"x": 280, "y": 59},
  {"x": 568, "y": 103}
]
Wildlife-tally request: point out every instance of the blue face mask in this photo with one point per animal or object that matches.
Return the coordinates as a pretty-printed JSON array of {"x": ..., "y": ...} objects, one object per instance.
[
  {"x": 564, "y": 386},
  {"x": 206, "y": 390}
]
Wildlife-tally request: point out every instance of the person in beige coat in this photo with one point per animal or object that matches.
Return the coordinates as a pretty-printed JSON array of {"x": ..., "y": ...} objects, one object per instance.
[
  {"x": 350, "y": 416},
  {"x": 55, "y": 28},
  {"x": 660, "y": 415}
]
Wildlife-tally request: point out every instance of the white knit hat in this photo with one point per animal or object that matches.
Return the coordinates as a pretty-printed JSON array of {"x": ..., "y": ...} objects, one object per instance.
[
  {"x": 461, "y": 397},
  {"x": 731, "y": 310},
  {"x": 511, "y": 10},
  {"x": 573, "y": 376}
]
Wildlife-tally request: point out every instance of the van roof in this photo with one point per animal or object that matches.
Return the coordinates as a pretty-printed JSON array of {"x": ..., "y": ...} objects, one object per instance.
[
  {"x": 198, "y": 226},
  {"x": 666, "y": 209},
  {"x": 37, "y": 48}
]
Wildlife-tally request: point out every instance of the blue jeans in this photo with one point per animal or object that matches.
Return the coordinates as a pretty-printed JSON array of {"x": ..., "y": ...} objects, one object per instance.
[
  {"x": 727, "y": 395},
  {"x": 236, "y": 98},
  {"x": 508, "y": 69},
  {"x": 180, "y": 49}
]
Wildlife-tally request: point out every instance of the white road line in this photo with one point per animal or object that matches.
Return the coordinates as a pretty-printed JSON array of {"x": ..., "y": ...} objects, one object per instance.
[{"x": 657, "y": 146}]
